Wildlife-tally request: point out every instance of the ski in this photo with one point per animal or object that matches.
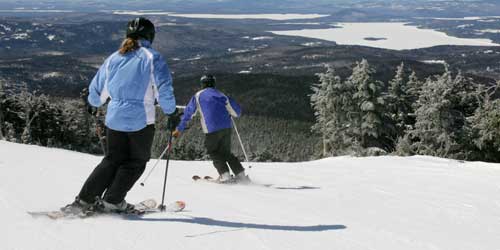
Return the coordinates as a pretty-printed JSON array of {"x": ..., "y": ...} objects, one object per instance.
[
  {"x": 208, "y": 178},
  {"x": 232, "y": 181},
  {"x": 144, "y": 207},
  {"x": 205, "y": 178}
]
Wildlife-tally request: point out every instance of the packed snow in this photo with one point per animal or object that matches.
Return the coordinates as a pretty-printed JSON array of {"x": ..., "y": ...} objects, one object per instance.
[
  {"x": 5, "y": 28},
  {"x": 279, "y": 17},
  {"x": 52, "y": 75},
  {"x": 142, "y": 13},
  {"x": 468, "y": 18},
  {"x": 434, "y": 62},
  {"x": 20, "y": 36},
  {"x": 497, "y": 31},
  {"x": 312, "y": 44},
  {"x": 252, "y": 16},
  {"x": 463, "y": 26},
  {"x": 310, "y": 23},
  {"x": 52, "y": 53},
  {"x": 336, "y": 203},
  {"x": 398, "y": 36},
  {"x": 262, "y": 38}
]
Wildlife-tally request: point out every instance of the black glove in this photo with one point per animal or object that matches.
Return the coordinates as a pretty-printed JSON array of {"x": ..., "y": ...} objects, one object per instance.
[
  {"x": 174, "y": 119},
  {"x": 91, "y": 110}
]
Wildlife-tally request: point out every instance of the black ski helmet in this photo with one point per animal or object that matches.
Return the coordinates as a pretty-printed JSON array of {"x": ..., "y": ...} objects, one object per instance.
[
  {"x": 141, "y": 27},
  {"x": 207, "y": 81}
]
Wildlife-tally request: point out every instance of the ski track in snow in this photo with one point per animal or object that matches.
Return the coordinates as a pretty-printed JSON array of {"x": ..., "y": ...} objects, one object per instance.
[{"x": 337, "y": 203}]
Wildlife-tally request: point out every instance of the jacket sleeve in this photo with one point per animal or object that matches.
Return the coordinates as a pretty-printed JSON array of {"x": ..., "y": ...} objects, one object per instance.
[
  {"x": 163, "y": 82},
  {"x": 189, "y": 112},
  {"x": 233, "y": 107},
  {"x": 98, "y": 91}
]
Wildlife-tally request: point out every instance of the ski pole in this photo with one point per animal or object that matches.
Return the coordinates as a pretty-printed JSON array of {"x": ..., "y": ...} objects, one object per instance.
[
  {"x": 162, "y": 207},
  {"x": 98, "y": 127},
  {"x": 161, "y": 156},
  {"x": 241, "y": 142},
  {"x": 156, "y": 164}
]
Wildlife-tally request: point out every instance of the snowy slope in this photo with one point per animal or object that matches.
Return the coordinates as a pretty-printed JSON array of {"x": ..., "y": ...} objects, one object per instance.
[{"x": 338, "y": 203}]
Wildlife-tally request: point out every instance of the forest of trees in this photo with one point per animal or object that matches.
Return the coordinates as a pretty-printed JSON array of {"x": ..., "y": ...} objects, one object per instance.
[
  {"x": 32, "y": 118},
  {"x": 446, "y": 115}
]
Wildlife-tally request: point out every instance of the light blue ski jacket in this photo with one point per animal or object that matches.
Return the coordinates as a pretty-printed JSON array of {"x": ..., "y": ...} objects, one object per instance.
[
  {"x": 214, "y": 108},
  {"x": 133, "y": 82}
]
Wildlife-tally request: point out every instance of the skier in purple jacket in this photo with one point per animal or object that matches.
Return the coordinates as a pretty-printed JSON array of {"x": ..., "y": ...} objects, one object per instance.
[{"x": 215, "y": 110}]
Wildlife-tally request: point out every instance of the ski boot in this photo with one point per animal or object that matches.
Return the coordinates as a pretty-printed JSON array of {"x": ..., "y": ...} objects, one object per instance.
[
  {"x": 242, "y": 178},
  {"x": 79, "y": 208},
  {"x": 225, "y": 178},
  {"x": 122, "y": 207}
]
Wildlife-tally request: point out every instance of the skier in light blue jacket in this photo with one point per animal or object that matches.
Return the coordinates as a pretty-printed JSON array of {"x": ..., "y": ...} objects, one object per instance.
[{"x": 133, "y": 79}]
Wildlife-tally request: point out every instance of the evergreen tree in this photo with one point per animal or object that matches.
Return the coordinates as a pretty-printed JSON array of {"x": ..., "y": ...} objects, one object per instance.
[
  {"x": 374, "y": 126},
  {"x": 2, "y": 100},
  {"x": 442, "y": 110},
  {"x": 404, "y": 146},
  {"x": 28, "y": 113},
  {"x": 10, "y": 134},
  {"x": 414, "y": 87},
  {"x": 486, "y": 126},
  {"x": 400, "y": 103},
  {"x": 332, "y": 102}
]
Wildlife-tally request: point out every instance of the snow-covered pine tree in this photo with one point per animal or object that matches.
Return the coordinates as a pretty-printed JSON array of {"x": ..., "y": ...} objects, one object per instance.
[
  {"x": 48, "y": 126},
  {"x": 42, "y": 119},
  {"x": 486, "y": 125},
  {"x": 83, "y": 123},
  {"x": 27, "y": 101},
  {"x": 414, "y": 87},
  {"x": 400, "y": 103},
  {"x": 441, "y": 113},
  {"x": 374, "y": 125},
  {"x": 10, "y": 133},
  {"x": 334, "y": 111},
  {"x": 2, "y": 100}
]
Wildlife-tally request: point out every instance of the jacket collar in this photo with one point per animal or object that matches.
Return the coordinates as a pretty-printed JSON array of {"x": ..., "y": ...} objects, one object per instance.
[{"x": 144, "y": 43}]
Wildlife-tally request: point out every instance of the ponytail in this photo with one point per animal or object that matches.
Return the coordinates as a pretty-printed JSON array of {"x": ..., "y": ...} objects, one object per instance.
[{"x": 128, "y": 45}]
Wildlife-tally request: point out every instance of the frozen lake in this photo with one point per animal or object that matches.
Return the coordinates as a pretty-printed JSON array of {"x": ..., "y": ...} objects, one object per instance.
[
  {"x": 35, "y": 11},
  {"x": 397, "y": 36},
  {"x": 279, "y": 17}
]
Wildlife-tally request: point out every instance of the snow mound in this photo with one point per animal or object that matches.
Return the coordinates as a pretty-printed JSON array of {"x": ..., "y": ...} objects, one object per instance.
[{"x": 337, "y": 203}]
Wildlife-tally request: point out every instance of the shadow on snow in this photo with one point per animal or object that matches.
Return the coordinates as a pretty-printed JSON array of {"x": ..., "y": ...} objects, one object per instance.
[
  {"x": 220, "y": 223},
  {"x": 297, "y": 188}
]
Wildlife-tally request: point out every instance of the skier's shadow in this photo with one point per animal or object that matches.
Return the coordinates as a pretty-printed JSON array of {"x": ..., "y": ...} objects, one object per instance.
[
  {"x": 297, "y": 188},
  {"x": 230, "y": 224}
]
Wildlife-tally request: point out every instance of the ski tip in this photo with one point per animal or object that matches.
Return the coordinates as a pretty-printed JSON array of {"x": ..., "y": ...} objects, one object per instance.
[{"x": 180, "y": 204}]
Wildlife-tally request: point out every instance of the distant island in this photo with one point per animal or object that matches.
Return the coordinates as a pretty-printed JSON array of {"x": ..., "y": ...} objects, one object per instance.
[{"x": 375, "y": 38}]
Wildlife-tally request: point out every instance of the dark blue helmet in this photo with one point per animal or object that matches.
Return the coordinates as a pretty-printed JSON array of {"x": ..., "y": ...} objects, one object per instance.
[{"x": 207, "y": 81}]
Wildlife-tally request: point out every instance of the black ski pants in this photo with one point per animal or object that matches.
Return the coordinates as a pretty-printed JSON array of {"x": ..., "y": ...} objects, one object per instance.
[
  {"x": 218, "y": 145},
  {"x": 126, "y": 157}
]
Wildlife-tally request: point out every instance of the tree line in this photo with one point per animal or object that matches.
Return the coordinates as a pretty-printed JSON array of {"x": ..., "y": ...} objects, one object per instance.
[
  {"x": 446, "y": 115},
  {"x": 32, "y": 118}
]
